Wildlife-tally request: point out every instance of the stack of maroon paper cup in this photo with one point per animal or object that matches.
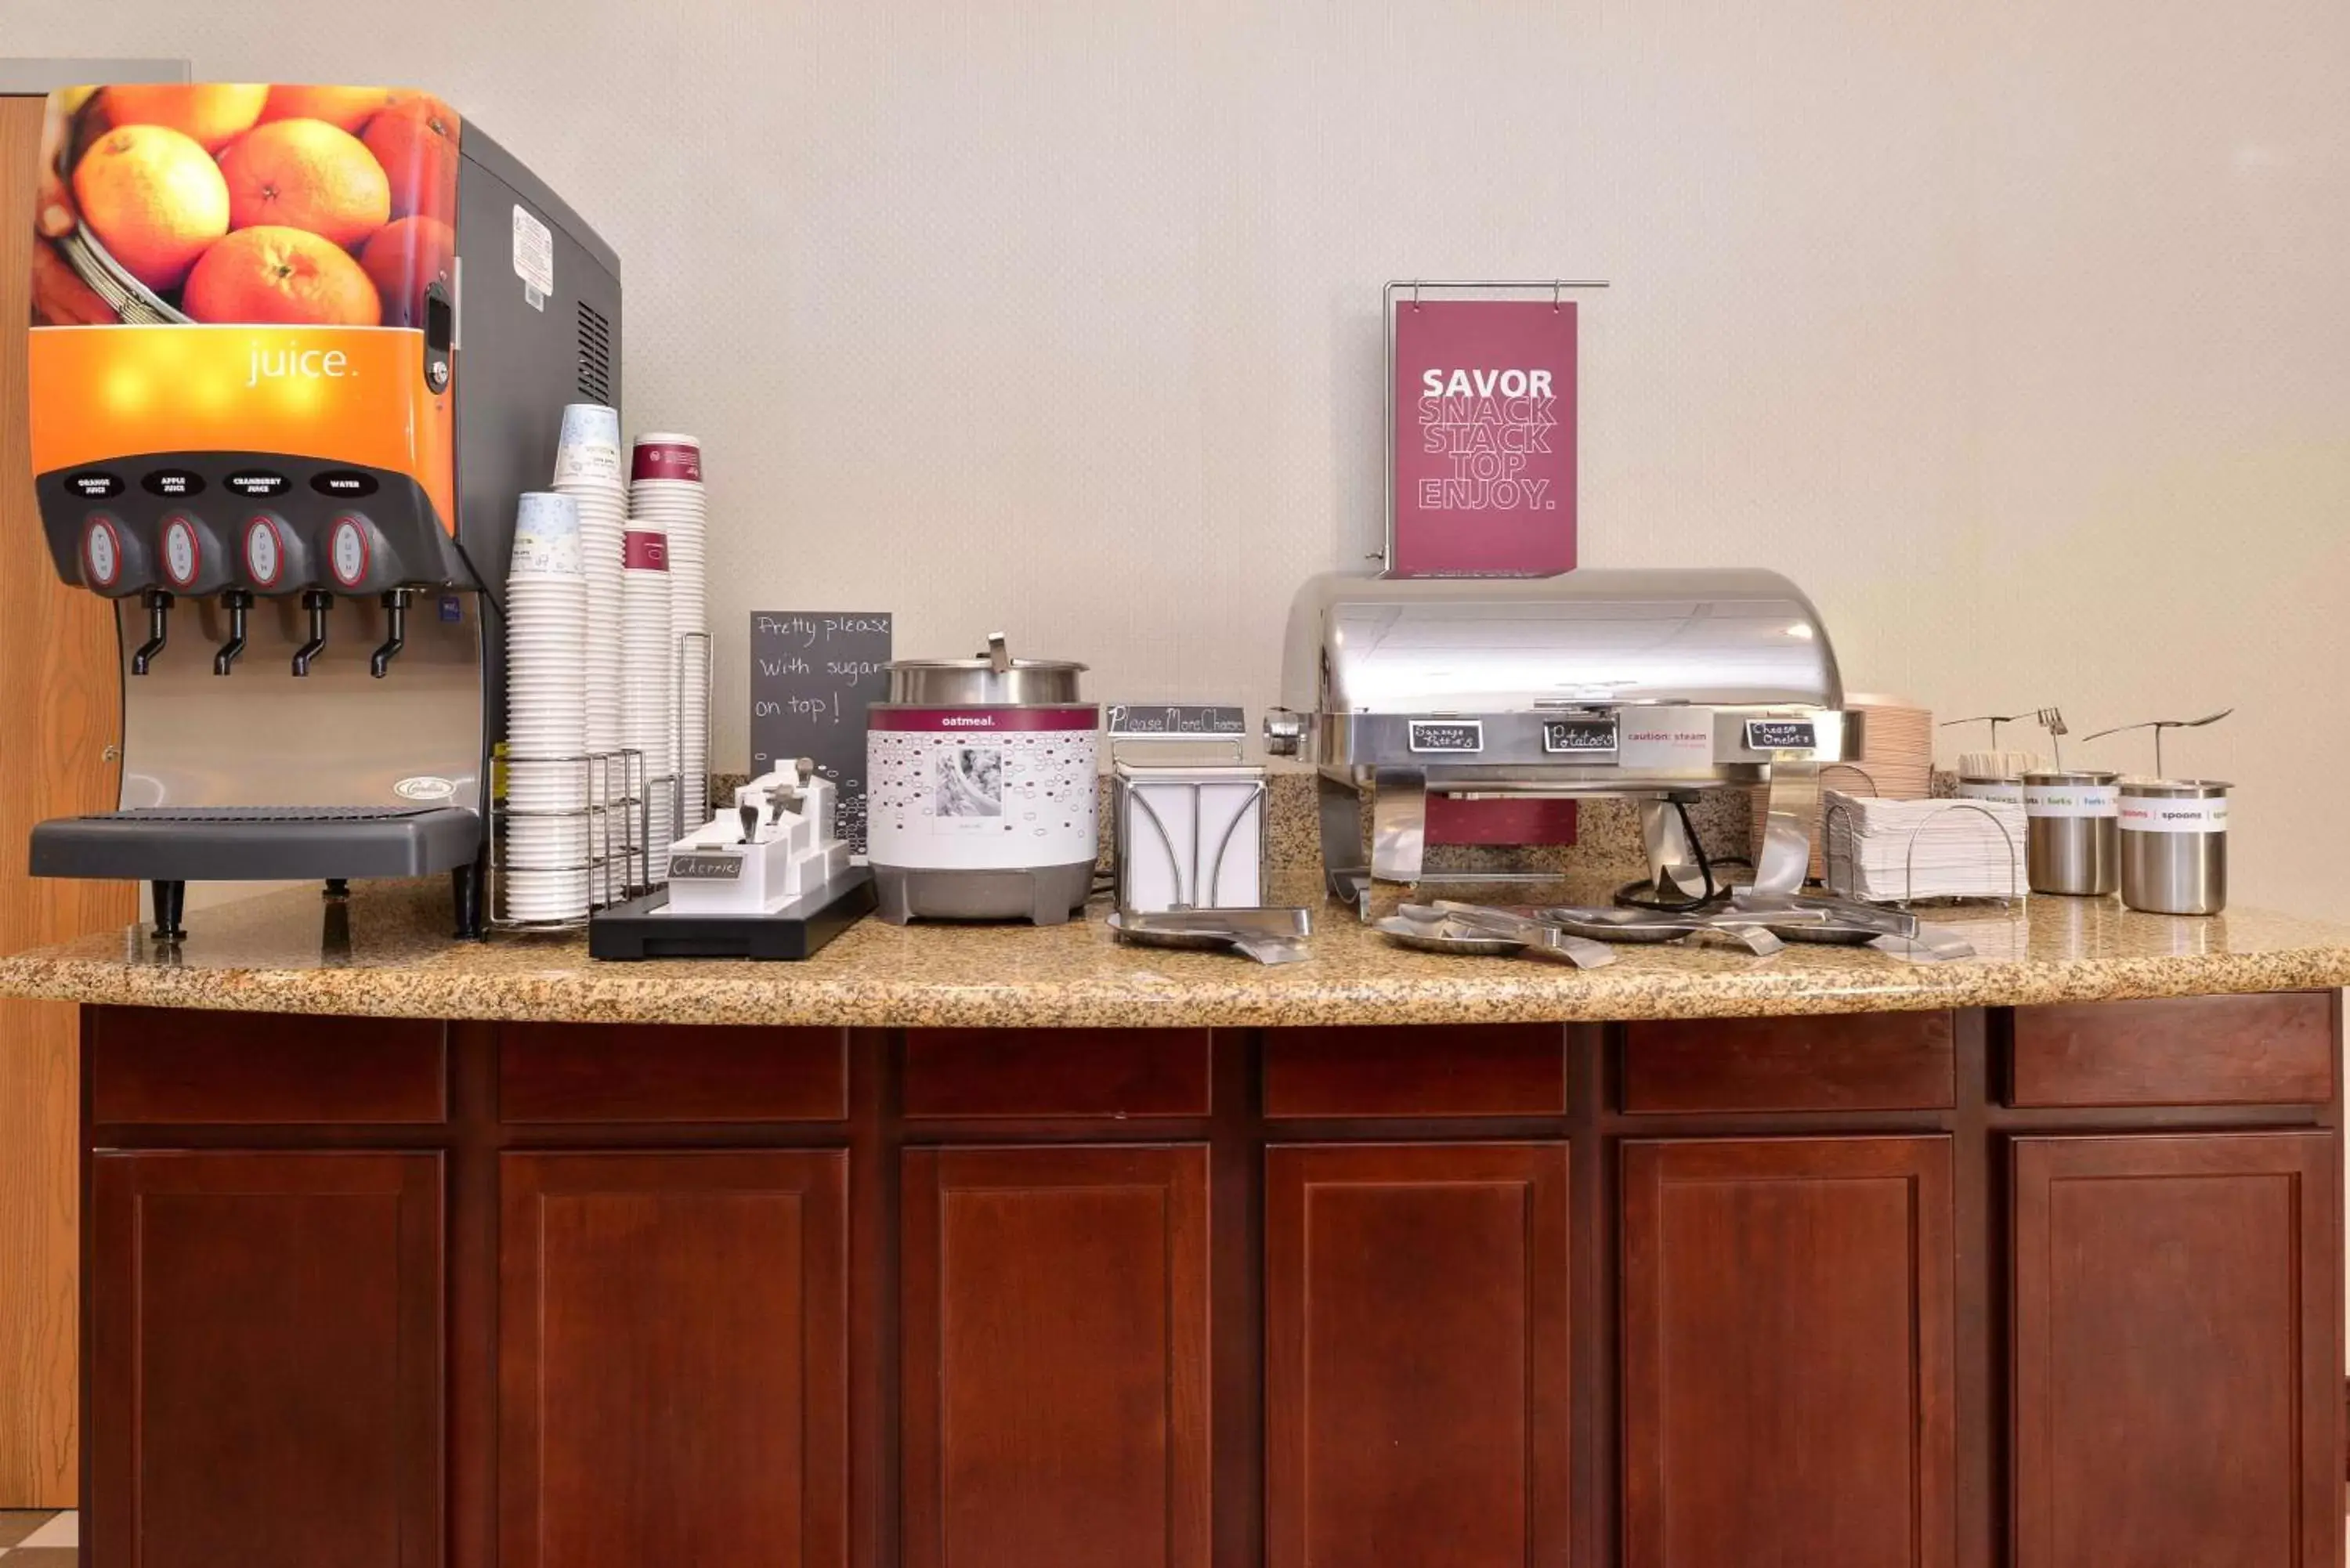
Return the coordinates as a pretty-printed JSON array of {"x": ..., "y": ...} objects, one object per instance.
[{"x": 666, "y": 494}]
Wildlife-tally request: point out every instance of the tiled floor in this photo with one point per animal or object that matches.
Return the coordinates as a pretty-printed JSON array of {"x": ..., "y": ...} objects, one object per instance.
[{"x": 39, "y": 1540}]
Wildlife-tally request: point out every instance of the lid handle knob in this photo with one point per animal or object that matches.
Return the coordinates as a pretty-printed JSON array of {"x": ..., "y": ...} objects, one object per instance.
[{"x": 998, "y": 654}]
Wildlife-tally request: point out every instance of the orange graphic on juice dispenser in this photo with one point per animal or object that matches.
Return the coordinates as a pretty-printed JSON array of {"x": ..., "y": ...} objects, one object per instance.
[{"x": 316, "y": 216}]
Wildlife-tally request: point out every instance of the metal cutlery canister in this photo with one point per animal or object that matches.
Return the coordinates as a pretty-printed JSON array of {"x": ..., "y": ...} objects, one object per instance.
[
  {"x": 2071, "y": 832},
  {"x": 2173, "y": 835},
  {"x": 1972, "y": 787}
]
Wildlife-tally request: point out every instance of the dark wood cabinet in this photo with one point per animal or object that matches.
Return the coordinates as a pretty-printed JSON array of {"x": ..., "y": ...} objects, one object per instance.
[
  {"x": 1055, "y": 1375},
  {"x": 2045, "y": 1287},
  {"x": 264, "y": 1360},
  {"x": 673, "y": 1359},
  {"x": 1417, "y": 1398},
  {"x": 2176, "y": 1357},
  {"x": 1788, "y": 1345}
]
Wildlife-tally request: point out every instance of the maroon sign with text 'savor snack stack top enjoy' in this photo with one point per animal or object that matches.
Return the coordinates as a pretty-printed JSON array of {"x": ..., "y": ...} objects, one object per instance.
[{"x": 1485, "y": 437}]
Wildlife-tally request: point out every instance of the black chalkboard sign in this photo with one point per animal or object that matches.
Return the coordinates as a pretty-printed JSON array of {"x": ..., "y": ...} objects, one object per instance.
[{"x": 812, "y": 674}]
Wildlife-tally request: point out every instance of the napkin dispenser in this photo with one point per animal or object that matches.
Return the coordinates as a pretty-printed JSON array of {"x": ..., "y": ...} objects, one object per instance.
[{"x": 1187, "y": 816}]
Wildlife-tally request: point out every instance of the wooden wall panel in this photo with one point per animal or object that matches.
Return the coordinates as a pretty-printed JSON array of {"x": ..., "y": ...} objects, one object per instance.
[{"x": 59, "y": 710}]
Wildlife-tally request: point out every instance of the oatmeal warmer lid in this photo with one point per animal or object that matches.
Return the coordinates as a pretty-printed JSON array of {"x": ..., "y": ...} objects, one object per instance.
[{"x": 989, "y": 679}]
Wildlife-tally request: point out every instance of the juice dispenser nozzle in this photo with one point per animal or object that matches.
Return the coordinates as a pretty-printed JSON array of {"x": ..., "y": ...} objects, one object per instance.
[
  {"x": 316, "y": 603},
  {"x": 395, "y": 621},
  {"x": 236, "y": 601},
  {"x": 158, "y": 604}
]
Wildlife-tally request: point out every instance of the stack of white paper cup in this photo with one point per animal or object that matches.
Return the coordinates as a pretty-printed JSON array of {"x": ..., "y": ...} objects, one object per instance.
[
  {"x": 665, "y": 492},
  {"x": 544, "y": 860},
  {"x": 649, "y": 685},
  {"x": 587, "y": 468}
]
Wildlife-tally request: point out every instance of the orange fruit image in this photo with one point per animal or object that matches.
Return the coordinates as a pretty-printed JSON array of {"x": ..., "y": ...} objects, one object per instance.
[
  {"x": 281, "y": 277},
  {"x": 416, "y": 141},
  {"x": 344, "y": 108},
  {"x": 306, "y": 174},
  {"x": 212, "y": 114},
  {"x": 404, "y": 256},
  {"x": 154, "y": 198}
]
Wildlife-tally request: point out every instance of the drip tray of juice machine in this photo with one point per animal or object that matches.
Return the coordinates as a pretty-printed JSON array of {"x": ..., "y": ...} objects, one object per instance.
[{"x": 248, "y": 843}]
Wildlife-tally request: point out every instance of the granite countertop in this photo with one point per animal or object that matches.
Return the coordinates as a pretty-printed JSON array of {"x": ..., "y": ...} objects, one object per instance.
[{"x": 385, "y": 952}]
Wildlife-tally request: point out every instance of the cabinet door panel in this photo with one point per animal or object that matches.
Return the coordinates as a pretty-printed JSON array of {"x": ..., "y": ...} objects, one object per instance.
[
  {"x": 1055, "y": 1337},
  {"x": 1416, "y": 1070},
  {"x": 1788, "y": 1329},
  {"x": 674, "y": 1354},
  {"x": 2276, "y": 1048},
  {"x": 2177, "y": 1351},
  {"x": 265, "y": 1360},
  {"x": 1417, "y": 1355}
]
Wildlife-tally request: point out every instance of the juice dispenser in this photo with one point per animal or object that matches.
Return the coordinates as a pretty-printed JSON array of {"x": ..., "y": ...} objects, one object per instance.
[{"x": 294, "y": 351}]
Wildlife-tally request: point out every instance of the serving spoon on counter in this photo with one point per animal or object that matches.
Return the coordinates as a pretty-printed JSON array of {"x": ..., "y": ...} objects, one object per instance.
[{"x": 1447, "y": 925}]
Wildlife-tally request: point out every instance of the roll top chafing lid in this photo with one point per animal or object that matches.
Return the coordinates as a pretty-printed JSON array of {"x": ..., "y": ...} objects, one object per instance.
[{"x": 1725, "y": 638}]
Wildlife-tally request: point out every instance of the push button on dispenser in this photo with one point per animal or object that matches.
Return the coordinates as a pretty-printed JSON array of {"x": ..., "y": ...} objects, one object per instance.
[
  {"x": 101, "y": 552},
  {"x": 349, "y": 550},
  {"x": 264, "y": 552},
  {"x": 184, "y": 552}
]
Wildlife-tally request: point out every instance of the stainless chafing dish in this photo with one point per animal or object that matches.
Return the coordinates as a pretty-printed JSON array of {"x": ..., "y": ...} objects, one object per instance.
[{"x": 1646, "y": 684}]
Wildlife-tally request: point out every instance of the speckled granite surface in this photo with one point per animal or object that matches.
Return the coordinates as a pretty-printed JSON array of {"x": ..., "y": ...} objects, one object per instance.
[{"x": 385, "y": 952}]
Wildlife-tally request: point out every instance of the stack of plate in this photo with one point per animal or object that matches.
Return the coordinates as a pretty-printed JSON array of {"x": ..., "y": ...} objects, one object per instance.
[
  {"x": 588, "y": 469},
  {"x": 544, "y": 860},
  {"x": 649, "y": 691},
  {"x": 1885, "y": 851},
  {"x": 1896, "y": 761}
]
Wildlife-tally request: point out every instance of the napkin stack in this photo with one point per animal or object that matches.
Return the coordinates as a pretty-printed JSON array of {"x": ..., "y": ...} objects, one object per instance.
[{"x": 1885, "y": 851}]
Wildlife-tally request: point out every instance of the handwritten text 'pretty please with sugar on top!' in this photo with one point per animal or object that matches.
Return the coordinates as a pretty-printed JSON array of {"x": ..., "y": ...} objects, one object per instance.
[{"x": 1486, "y": 422}]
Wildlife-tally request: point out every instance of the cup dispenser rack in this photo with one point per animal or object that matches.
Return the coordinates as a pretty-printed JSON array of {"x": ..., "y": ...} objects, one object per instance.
[{"x": 624, "y": 842}]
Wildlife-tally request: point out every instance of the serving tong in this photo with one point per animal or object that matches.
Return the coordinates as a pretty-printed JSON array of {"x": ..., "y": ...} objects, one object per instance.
[
  {"x": 1759, "y": 923},
  {"x": 1269, "y": 935},
  {"x": 1536, "y": 939}
]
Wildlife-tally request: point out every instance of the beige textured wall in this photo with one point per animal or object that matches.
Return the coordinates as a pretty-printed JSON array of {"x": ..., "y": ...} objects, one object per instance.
[{"x": 2016, "y": 333}]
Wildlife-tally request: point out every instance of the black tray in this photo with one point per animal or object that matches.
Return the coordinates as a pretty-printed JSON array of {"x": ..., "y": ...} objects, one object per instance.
[{"x": 799, "y": 929}]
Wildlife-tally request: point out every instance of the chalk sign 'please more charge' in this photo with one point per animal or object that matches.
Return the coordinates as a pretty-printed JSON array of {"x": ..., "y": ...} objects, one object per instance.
[{"x": 812, "y": 674}]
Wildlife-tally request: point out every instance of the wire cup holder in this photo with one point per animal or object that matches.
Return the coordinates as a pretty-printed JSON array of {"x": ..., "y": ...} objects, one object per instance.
[
  {"x": 624, "y": 841},
  {"x": 612, "y": 817},
  {"x": 1846, "y": 885}
]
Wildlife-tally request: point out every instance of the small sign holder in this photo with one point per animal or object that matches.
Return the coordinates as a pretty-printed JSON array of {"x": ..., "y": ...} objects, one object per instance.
[{"x": 1175, "y": 721}]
